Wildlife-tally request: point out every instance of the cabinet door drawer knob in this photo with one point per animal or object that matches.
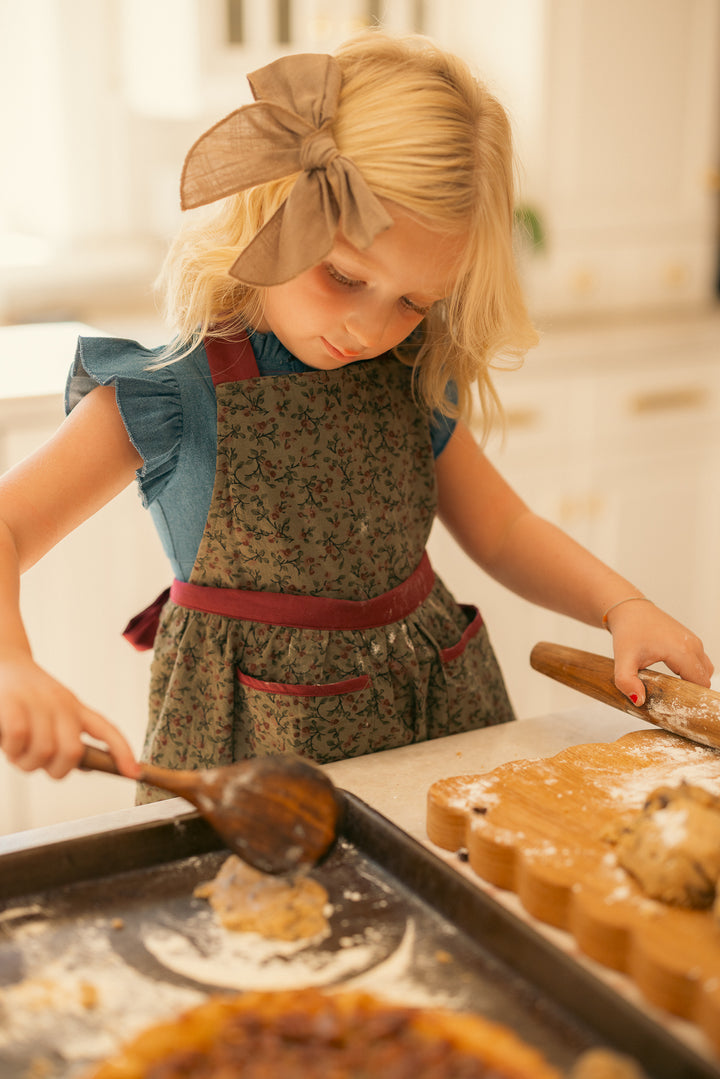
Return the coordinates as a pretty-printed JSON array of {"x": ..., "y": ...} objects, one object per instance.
[
  {"x": 683, "y": 397},
  {"x": 587, "y": 506},
  {"x": 521, "y": 418}
]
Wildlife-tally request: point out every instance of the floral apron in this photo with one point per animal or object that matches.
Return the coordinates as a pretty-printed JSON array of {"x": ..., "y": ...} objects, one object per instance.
[{"x": 312, "y": 621}]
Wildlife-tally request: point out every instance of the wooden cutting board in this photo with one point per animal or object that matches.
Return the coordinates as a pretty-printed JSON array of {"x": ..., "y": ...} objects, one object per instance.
[{"x": 542, "y": 828}]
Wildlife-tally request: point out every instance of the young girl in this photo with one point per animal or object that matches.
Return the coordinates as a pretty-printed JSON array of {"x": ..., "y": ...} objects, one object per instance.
[{"x": 349, "y": 280}]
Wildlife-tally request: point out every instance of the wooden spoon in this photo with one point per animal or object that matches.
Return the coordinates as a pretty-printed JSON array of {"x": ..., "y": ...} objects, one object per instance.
[
  {"x": 678, "y": 706},
  {"x": 278, "y": 813}
]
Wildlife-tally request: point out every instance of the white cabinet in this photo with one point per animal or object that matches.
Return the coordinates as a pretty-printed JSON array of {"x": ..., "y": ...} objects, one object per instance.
[
  {"x": 629, "y": 178},
  {"x": 614, "y": 435},
  {"x": 659, "y": 482},
  {"x": 616, "y": 114}
]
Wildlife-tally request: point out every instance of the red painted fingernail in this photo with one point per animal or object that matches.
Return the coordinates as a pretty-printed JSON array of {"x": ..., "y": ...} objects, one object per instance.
[{"x": 634, "y": 698}]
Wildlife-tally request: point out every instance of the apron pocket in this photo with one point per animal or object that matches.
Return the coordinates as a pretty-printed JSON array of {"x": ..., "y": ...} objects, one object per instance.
[
  {"x": 475, "y": 624},
  {"x": 466, "y": 688},
  {"x": 325, "y": 722},
  {"x": 289, "y": 689}
]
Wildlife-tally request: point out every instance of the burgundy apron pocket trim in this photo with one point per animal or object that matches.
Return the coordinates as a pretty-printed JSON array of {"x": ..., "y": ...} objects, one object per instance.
[
  {"x": 332, "y": 689},
  {"x": 310, "y": 612},
  {"x": 473, "y": 627}
]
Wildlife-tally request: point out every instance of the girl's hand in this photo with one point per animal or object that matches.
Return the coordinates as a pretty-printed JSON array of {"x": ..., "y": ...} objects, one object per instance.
[
  {"x": 642, "y": 635},
  {"x": 41, "y": 722}
]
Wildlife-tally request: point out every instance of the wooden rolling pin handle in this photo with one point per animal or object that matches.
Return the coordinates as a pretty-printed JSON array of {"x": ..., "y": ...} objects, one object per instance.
[
  {"x": 584, "y": 671},
  {"x": 671, "y": 703}
]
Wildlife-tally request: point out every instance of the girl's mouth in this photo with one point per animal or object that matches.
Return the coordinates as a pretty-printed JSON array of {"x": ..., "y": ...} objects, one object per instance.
[{"x": 336, "y": 353}]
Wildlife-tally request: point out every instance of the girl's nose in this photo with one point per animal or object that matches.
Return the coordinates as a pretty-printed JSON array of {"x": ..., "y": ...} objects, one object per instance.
[{"x": 367, "y": 323}]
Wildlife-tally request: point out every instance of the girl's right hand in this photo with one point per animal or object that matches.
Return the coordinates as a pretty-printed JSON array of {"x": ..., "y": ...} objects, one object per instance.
[{"x": 41, "y": 722}]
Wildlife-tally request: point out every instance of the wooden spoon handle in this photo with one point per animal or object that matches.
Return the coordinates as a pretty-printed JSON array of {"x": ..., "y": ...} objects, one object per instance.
[
  {"x": 98, "y": 760},
  {"x": 671, "y": 703},
  {"x": 183, "y": 783}
]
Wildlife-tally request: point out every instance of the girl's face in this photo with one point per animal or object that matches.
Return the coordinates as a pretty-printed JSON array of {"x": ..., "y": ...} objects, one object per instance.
[{"x": 355, "y": 305}]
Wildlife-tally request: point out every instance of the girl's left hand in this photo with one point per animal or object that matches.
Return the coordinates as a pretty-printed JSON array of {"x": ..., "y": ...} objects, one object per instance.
[{"x": 642, "y": 635}]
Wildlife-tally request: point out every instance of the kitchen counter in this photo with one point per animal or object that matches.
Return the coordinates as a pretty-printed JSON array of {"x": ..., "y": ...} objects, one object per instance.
[{"x": 394, "y": 782}]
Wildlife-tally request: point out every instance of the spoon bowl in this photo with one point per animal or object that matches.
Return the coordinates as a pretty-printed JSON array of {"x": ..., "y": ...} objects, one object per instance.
[{"x": 278, "y": 813}]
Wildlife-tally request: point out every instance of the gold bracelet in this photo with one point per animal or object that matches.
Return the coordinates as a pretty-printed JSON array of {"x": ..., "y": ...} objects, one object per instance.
[{"x": 619, "y": 602}]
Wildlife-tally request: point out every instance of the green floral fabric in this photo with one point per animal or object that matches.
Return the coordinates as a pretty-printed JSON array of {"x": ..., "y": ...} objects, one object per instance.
[{"x": 325, "y": 486}]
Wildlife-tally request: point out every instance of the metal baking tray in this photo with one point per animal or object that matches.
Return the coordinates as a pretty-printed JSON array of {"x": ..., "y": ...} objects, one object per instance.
[{"x": 101, "y": 935}]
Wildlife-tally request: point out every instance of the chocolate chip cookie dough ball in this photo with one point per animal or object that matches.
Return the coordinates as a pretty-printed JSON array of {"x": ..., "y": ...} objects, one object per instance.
[{"x": 672, "y": 848}]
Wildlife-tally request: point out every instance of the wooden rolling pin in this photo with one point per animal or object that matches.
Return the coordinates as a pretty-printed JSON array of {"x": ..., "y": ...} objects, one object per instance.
[{"x": 671, "y": 703}]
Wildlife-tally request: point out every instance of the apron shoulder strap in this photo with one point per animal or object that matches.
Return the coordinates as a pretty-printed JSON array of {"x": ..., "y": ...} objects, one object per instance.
[{"x": 230, "y": 360}]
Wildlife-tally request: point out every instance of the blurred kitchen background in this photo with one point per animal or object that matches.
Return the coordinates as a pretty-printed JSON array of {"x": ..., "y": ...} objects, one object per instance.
[{"x": 613, "y": 422}]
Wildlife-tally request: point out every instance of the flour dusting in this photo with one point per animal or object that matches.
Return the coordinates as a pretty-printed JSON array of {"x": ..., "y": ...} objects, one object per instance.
[{"x": 80, "y": 1001}]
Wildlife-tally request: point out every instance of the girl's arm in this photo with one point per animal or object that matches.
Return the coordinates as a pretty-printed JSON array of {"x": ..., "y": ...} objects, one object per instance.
[
  {"x": 532, "y": 557},
  {"x": 86, "y": 463}
]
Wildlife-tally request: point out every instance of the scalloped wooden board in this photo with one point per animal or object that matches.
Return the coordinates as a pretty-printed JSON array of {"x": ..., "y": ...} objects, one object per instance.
[{"x": 539, "y": 827}]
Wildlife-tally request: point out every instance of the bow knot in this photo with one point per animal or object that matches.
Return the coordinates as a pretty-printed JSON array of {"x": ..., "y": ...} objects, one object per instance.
[
  {"x": 286, "y": 130},
  {"x": 318, "y": 150}
]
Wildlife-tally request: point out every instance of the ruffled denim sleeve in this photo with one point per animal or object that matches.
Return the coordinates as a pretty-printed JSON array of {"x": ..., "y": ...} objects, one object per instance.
[
  {"x": 149, "y": 400},
  {"x": 441, "y": 425}
]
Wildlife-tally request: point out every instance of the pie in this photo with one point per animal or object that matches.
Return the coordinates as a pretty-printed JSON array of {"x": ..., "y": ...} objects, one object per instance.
[{"x": 313, "y": 1034}]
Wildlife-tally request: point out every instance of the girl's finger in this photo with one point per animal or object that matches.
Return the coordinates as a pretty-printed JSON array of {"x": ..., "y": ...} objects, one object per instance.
[
  {"x": 68, "y": 744},
  {"x": 14, "y": 732},
  {"x": 627, "y": 682},
  {"x": 692, "y": 668},
  {"x": 41, "y": 745},
  {"x": 100, "y": 728}
]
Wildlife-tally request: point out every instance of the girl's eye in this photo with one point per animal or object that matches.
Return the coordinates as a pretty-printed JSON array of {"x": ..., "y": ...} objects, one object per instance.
[
  {"x": 415, "y": 308},
  {"x": 352, "y": 282},
  {"x": 346, "y": 282}
]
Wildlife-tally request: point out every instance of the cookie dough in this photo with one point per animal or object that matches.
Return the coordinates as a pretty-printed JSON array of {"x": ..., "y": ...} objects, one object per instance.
[
  {"x": 280, "y": 908},
  {"x": 672, "y": 848}
]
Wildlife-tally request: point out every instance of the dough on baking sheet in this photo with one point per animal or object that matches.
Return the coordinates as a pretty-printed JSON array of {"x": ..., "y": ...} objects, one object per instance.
[
  {"x": 277, "y": 907},
  {"x": 672, "y": 848}
]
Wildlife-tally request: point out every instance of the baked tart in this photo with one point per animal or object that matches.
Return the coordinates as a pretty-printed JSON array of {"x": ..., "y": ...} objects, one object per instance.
[{"x": 312, "y": 1034}]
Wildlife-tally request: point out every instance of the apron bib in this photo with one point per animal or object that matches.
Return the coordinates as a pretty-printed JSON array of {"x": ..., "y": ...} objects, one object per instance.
[{"x": 312, "y": 621}]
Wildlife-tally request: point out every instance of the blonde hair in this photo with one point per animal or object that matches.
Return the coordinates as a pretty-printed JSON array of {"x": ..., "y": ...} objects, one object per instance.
[{"x": 430, "y": 137}]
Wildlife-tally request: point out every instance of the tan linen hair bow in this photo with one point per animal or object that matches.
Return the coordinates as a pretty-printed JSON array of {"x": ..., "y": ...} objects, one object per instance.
[{"x": 286, "y": 130}]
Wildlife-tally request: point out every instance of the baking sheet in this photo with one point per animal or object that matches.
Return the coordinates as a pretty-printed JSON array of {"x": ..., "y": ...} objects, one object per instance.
[{"x": 101, "y": 935}]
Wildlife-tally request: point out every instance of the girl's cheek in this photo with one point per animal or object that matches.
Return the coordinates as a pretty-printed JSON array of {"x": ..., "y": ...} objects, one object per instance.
[
  {"x": 322, "y": 293},
  {"x": 332, "y": 303}
]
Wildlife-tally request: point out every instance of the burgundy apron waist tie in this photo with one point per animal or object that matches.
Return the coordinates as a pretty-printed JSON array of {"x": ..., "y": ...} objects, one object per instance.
[{"x": 310, "y": 612}]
